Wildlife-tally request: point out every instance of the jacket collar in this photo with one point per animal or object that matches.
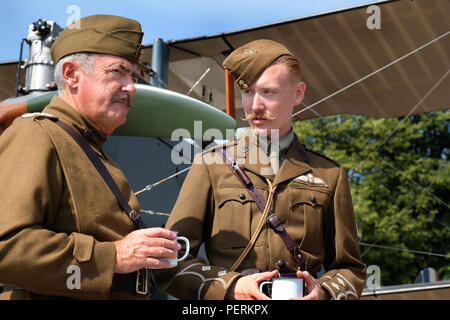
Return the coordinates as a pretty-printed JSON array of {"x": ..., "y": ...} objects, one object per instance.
[
  {"x": 295, "y": 164},
  {"x": 68, "y": 114},
  {"x": 253, "y": 158},
  {"x": 284, "y": 143}
]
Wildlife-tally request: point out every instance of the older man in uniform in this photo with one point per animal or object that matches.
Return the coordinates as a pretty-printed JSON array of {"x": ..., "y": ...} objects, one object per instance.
[
  {"x": 62, "y": 231},
  {"x": 309, "y": 194}
]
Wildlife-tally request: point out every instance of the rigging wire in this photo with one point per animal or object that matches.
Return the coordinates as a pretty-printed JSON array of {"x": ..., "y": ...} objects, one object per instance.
[
  {"x": 149, "y": 187},
  {"x": 396, "y": 128},
  {"x": 372, "y": 73},
  {"x": 204, "y": 74},
  {"x": 406, "y": 249},
  {"x": 392, "y": 133},
  {"x": 151, "y": 212},
  {"x": 329, "y": 96},
  {"x": 399, "y": 214},
  {"x": 418, "y": 185},
  {"x": 404, "y": 119}
]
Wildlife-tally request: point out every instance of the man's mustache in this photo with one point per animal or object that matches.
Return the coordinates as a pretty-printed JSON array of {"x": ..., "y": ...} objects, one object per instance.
[
  {"x": 259, "y": 115},
  {"x": 126, "y": 99}
]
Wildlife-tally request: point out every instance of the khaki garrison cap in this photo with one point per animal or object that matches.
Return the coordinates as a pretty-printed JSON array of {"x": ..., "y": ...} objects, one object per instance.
[
  {"x": 247, "y": 62},
  {"x": 100, "y": 34}
]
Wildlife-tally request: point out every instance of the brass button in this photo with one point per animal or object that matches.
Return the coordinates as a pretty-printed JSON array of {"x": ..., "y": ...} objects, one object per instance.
[
  {"x": 241, "y": 82},
  {"x": 245, "y": 86}
]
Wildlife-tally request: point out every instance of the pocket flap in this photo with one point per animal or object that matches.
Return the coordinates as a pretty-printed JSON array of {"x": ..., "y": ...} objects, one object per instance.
[
  {"x": 239, "y": 194},
  {"x": 308, "y": 196}
]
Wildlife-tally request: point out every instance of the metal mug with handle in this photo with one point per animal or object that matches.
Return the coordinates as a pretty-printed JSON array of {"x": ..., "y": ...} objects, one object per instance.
[
  {"x": 174, "y": 261},
  {"x": 285, "y": 287}
]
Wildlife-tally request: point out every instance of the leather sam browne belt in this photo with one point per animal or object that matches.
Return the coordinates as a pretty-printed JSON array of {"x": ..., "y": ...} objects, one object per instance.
[
  {"x": 134, "y": 281},
  {"x": 273, "y": 221}
]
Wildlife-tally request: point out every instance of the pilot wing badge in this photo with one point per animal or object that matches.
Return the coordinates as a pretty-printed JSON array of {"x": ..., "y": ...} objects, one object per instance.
[{"x": 311, "y": 180}]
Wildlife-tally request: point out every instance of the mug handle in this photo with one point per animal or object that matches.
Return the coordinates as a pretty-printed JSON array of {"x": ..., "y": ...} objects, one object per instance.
[
  {"x": 261, "y": 285},
  {"x": 187, "y": 248}
]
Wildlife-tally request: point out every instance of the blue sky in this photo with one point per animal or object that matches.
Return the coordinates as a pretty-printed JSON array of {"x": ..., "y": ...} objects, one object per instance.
[{"x": 166, "y": 19}]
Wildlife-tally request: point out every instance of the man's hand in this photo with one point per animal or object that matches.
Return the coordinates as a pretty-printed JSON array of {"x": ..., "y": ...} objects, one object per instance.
[
  {"x": 314, "y": 289},
  {"x": 144, "y": 248},
  {"x": 247, "y": 288}
]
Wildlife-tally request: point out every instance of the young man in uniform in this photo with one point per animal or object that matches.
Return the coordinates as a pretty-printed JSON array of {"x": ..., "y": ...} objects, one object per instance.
[
  {"x": 62, "y": 231},
  {"x": 309, "y": 194}
]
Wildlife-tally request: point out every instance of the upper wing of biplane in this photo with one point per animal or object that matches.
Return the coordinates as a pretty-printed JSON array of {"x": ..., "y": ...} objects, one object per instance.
[{"x": 348, "y": 65}]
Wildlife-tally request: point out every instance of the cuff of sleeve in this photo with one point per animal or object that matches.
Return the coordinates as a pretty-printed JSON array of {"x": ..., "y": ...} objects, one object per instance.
[
  {"x": 96, "y": 262},
  {"x": 338, "y": 286},
  {"x": 218, "y": 288}
]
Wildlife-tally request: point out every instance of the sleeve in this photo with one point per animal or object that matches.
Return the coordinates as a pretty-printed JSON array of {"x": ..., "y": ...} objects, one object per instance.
[
  {"x": 345, "y": 273},
  {"x": 191, "y": 216},
  {"x": 33, "y": 256}
]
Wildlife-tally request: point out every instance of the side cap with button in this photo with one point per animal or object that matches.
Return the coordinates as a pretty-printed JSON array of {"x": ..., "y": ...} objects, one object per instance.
[{"x": 247, "y": 62}]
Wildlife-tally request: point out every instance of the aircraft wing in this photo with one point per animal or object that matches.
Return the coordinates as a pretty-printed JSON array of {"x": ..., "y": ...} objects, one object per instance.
[
  {"x": 348, "y": 67},
  {"x": 337, "y": 50}
]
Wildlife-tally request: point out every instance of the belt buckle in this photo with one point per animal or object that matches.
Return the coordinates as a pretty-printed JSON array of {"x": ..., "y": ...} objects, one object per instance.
[{"x": 142, "y": 281}]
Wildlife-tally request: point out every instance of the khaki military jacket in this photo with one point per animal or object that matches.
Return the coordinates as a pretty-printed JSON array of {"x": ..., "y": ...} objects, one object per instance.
[
  {"x": 56, "y": 212},
  {"x": 312, "y": 200}
]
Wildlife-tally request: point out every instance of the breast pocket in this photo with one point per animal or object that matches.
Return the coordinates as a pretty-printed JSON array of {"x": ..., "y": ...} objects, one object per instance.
[
  {"x": 237, "y": 217},
  {"x": 306, "y": 218}
]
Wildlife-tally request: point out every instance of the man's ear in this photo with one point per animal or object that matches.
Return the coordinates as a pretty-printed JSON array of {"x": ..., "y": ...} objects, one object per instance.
[
  {"x": 71, "y": 74},
  {"x": 300, "y": 92}
]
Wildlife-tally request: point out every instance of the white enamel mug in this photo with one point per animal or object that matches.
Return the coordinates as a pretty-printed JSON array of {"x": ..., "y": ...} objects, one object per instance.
[
  {"x": 285, "y": 287},
  {"x": 174, "y": 261}
]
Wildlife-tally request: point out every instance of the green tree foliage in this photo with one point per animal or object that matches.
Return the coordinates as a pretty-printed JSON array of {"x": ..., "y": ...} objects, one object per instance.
[{"x": 399, "y": 175}]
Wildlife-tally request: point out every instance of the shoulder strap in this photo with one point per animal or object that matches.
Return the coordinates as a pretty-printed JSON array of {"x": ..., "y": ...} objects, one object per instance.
[
  {"x": 272, "y": 219},
  {"x": 98, "y": 164}
]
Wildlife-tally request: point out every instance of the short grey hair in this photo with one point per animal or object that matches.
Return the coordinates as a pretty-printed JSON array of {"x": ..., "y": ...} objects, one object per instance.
[{"x": 84, "y": 59}]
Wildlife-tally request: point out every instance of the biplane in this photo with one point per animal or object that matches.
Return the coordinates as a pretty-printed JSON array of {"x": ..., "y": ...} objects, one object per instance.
[{"x": 397, "y": 68}]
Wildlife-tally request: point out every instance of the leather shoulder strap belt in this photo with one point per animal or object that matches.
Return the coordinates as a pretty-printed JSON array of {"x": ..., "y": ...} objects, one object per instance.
[
  {"x": 98, "y": 164},
  {"x": 273, "y": 221}
]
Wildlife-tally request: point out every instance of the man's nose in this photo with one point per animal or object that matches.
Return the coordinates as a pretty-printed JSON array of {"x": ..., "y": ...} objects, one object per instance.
[
  {"x": 258, "y": 103},
  {"x": 129, "y": 87}
]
